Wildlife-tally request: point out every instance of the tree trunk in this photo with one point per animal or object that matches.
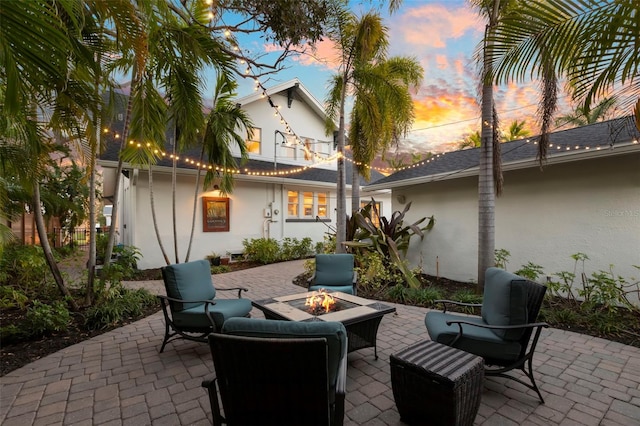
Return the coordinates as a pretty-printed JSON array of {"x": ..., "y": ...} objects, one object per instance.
[
  {"x": 153, "y": 217},
  {"x": 174, "y": 172},
  {"x": 195, "y": 206},
  {"x": 46, "y": 248},
  {"x": 341, "y": 193},
  {"x": 116, "y": 188},
  {"x": 355, "y": 190},
  {"x": 91, "y": 264},
  {"x": 486, "y": 186}
]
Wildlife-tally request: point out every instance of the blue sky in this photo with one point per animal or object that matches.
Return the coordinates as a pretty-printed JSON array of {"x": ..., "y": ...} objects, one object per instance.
[{"x": 443, "y": 36}]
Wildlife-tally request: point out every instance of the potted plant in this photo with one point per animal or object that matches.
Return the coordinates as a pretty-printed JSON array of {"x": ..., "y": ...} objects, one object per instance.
[{"x": 214, "y": 259}]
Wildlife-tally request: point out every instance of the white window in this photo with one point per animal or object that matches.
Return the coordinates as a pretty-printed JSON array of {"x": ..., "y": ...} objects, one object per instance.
[
  {"x": 293, "y": 203},
  {"x": 308, "y": 204},
  {"x": 253, "y": 144}
]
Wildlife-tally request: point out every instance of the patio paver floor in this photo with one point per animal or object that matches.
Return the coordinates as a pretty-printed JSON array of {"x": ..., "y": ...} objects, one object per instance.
[{"x": 119, "y": 378}]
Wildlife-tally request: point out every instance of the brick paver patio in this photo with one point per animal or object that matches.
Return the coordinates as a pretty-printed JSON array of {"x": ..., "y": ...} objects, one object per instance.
[{"x": 119, "y": 378}]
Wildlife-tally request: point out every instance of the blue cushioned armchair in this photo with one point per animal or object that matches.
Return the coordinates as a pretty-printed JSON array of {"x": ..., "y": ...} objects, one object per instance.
[
  {"x": 190, "y": 308},
  {"x": 502, "y": 335},
  {"x": 272, "y": 372},
  {"x": 334, "y": 272}
]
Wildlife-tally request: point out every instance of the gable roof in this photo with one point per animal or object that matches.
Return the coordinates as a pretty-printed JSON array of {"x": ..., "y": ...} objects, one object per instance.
[
  {"x": 613, "y": 137},
  {"x": 293, "y": 89}
]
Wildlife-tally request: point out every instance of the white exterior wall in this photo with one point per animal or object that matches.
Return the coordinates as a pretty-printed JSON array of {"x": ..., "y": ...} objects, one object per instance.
[
  {"x": 544, "y": 217},
  {"x": 302, "y": 119},
  {"x": 246, "y": 212}
]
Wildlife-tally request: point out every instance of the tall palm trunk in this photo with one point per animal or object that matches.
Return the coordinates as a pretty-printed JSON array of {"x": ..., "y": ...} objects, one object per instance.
[
  {"x": 486, "y": 186},
  {"x": 341, "y": 192},
  {"x": 91, "y": 265},
  {"x": 154, "y": 219},
  {"x": 116, "y": 190},
  {"x": 174, "y": 172},
  {"x": 355, "y": 189},
  {"x": 46, "y": 248},
  {"x": 195, "y": 204}
]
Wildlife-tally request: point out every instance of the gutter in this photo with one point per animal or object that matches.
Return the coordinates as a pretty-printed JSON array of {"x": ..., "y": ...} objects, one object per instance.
[{"x": 558, "y": 158}]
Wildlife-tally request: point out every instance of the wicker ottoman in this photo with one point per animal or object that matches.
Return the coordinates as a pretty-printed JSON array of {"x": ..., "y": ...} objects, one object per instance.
[{"x": 437, "y": 385}]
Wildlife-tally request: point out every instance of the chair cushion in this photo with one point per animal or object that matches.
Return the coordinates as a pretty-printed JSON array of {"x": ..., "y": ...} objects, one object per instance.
[
  {"x": 334, "y": 270},
  {"x": 504, "y": 302},
  {"x": 188, "y": 281},
  {"x": 333, "y": 331},
  {"x": 343, "y": 288},
  {"x": 223, "y": 310},
  {"x": 475, "y": 340}
]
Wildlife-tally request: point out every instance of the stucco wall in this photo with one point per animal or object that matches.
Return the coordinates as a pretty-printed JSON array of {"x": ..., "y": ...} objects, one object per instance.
[
  {"x": 247, "y": 221},
  {"x": 544, "y": 217}
]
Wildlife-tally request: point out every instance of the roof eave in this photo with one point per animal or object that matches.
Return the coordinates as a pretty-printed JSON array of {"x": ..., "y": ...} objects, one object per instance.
[{"x": 567, "y": 157}]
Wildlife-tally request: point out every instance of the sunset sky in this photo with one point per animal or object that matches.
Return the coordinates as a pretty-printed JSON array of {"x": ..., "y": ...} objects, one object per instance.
[{"x": 442, "y": 35}]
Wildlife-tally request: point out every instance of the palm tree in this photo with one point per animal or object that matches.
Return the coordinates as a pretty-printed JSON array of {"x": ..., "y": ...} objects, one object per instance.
[
  {"x": 362, "y": 43},
  {"x": 489, "y": 174},
  {"x": 383, "y": 107},
  {"x": 592, "y": 43},
  {"x": 584, "y": 114},
  {"x": 516, "y": 130},
  {"x": 471, "y": 140},
  {"x": 220, "y": 133}
]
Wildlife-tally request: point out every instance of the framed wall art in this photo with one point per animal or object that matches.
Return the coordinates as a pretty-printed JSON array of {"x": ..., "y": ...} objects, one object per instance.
[{"x": 215, "y": 214}]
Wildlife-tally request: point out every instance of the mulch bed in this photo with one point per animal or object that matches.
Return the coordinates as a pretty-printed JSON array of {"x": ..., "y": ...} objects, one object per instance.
[{"x": 16, "y": 355}]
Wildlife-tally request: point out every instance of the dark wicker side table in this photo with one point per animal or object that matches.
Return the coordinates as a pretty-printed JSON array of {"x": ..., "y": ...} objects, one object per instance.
[{"x": 435, "y": 384}]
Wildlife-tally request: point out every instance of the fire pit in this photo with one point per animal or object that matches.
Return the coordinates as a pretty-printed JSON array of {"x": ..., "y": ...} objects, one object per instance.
[
  {"x": 360, "y": 316},
  {"x": 321, "y": 302}
]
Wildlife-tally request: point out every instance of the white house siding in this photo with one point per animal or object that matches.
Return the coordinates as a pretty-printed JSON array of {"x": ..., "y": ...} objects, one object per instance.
[
  {"x": 590, "y": 206},
  {"x": 302, "y": 119},
  {"x": 246, "y": 211}
]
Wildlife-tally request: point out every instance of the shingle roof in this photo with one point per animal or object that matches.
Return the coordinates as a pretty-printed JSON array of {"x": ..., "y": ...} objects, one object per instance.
[
  {"x": 312, "y": 174},
  {"x": 603, "y": 135}
]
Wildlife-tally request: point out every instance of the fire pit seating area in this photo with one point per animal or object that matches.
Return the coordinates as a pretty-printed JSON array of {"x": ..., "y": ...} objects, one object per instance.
[
  {"x": 334, "y": 272},
  {"x": 276, "y": 372},
  {"x": 190, "y": 308},
  {"x": 506, "y": 333}
]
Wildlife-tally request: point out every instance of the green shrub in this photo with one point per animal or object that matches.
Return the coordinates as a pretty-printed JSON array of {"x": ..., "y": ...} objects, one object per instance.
[
  {"x": 43, "y": 319},
  {"x": 12, "y": 298},
  {"x": 467, "y": 296},
  {"x": 375, "y": 272},
  {"x": 423, "y": 296},
  {"x": 117, "y": 304},
  {"x": 124, "y": 264},
  {"x": 398, "y": 293},
  {"x": 530, "y": 271},
  {"x": 501, "y": 257},
  {"x": 262, "y": 250},
  {"x": 292, "y": 248},
  {"x": 220, "y": 269},
  {"x": 24, "y": 267},
  {"x": 9, "y": 333}
]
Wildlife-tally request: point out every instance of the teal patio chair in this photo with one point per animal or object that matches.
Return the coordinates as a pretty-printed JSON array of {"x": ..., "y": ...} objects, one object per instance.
[
  {"x": 334, "y": 272},
  {"x": 506, "y": 333},
  {"x": 271, "y": 372},
  {"x": 190, "y": 309}
]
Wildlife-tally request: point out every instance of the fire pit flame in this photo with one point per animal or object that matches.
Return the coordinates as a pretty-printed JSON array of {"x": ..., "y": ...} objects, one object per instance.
[{"x": 320, "y": 302}]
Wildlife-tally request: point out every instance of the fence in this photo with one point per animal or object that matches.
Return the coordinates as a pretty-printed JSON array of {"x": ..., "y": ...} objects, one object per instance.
[{"x": 79, "y": 237}]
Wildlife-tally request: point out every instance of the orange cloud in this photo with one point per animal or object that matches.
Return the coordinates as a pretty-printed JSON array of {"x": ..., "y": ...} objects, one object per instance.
[
  {"x": 432, "y": 24},
  {"x": 325, "y": 54}
]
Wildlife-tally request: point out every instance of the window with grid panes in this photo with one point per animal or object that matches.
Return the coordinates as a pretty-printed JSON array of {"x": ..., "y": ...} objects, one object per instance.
[{"x": 253, "y": 144}]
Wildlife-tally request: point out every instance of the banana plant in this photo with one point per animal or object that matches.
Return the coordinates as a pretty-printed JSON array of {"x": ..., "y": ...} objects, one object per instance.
[{"x": 389, "y": 237}]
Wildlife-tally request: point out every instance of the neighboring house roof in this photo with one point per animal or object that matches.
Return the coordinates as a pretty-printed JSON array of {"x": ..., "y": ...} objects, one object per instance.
[
  {"x": 611, "y": 137},
  {"x": 293, "y": 90}
]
